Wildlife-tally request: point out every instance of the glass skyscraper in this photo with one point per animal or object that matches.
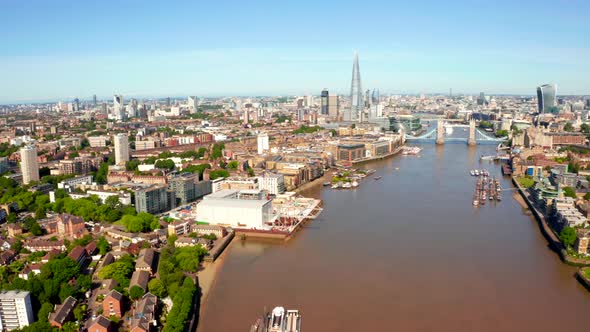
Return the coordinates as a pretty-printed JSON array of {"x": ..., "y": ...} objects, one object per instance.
[
  {"x": 356, "y": 91},
  {"x": 324, "y": 102},
  {"x": 546, "y": 97}
]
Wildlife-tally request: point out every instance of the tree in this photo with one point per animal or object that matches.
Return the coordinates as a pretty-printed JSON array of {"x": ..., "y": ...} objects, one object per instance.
[
  {"x": 567, "y": 236},
  {"x": 217, "y": 151},
  {"x": 135, "y": 292},
  {"x": 120, "y": 270},
  {"x": 113, "y": 202},
  {"x": 165, "y": 164},
  {"x": 40, "y": 213},
  {"x": 101, "y": 174},
  {"x": 501, "y": 133},
  {"x": 132, "y": 165},
  {"x": 573, "y": 167},
  {"x": 585, "y": 128},
  {"x": 218, "y": 173},
  {"x": 233, "y": 165},
  {"x": 250, "y": 171},
  {"x": 103, "y": 245},
  {"x": 569, "y": 192},
  {"x": 157, "y": 288},
  {"x": 44, "y": 311},
  {"x": 80, "y": 312},
  {"x": 568, "y": 127},
  {"x": 36, "y": 229}
]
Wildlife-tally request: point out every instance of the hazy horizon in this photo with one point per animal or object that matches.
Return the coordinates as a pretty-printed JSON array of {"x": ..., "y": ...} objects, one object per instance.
[{"x": 264, "y": 48}]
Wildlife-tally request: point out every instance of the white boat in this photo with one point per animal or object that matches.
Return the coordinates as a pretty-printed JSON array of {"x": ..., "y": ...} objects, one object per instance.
[
  {"x": 355, "y": 184},
  {"x": 472, "y": 172},
  {"x": 476, "y": 172},
  {"x": 448, "y": 130},
  {"x": 347, "y": 185}
]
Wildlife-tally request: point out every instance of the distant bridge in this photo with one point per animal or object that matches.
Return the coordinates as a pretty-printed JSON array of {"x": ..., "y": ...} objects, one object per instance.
[{"x": 436, "y": 135}]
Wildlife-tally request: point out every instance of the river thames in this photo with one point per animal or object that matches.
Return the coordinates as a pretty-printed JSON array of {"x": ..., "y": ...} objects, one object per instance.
[{"x": 408, "y": 252}]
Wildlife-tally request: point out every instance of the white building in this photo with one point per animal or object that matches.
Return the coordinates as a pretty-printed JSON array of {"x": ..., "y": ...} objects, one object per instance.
[
  {"x": 272, "y": 182},
  {"x": 216, "y": 184},
  {"x": 28, "y": 164},
  {"x": 124, "y": 198},
  {"x": 98, "y": 141},
  {"x": 193, "y": 103},
  {"x": 262, "y": 143},
  {"x": 236, "y": 208},
  {"x": 16, "y": 311},
  {"x": 26, "y": 139},
  {"x": 121, "y": 149},
  {"x": 71, "y": 183}
]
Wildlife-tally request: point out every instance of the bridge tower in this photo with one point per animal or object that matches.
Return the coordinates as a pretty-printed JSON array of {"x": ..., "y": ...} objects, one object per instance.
[
  {"x": 471, "y": 140},
  {"x": 440, "y": 139}
]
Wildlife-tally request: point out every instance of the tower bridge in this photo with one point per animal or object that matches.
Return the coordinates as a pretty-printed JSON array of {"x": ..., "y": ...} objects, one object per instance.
[{"x": 437, "y": 135}]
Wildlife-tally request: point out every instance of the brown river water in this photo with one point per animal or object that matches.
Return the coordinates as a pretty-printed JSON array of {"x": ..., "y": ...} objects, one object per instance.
[{"x": 407, "y": 252}]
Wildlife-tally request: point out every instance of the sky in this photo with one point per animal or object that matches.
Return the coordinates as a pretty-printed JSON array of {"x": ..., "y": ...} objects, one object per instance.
[{"x": 60, "y": 50}]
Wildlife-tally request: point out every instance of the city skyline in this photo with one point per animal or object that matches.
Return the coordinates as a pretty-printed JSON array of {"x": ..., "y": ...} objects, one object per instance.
[{"x": 405, "y": 49}]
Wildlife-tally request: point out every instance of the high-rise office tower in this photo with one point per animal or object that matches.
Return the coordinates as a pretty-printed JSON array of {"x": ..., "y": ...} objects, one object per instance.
[
  {"x": 16, "y": 311},
  {"x": 546, "y": 97},
  {"x": 334, "y": 107},
  {"x": 193, "y": 104},
  {"x": 309, "y": 101},
  {"x": 367, "y": 98},
  {"x": 121, "y": 149},
  {"x": 324, "y": 102},
  {"x": 94, "y": 101},
  {"x": 168, "y": 101},
  {"x": 375, "y": 97},
  {"x": 118, "y": 110},
  {"x": 76, "y": 105},
  {"x": 246, "y": 115},
  {"x": 28, "y": 164},
  {"x": 356, "y": 91},
  {"x": 482, "y": 99},
  {"x": 262, "y": 143}
]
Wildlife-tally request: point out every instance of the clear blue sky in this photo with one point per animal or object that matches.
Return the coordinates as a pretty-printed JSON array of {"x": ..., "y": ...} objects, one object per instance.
[{"x": 65, "y": 49}]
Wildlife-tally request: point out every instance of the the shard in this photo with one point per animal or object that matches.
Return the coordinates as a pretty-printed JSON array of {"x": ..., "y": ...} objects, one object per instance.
[{"x": 356, "y": 91}]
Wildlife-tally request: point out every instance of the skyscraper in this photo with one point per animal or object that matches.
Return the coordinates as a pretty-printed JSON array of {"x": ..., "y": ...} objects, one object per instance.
[
  {"x": 334, "y": 107},
  {"x": 546, "y": 97},
  {"x": 193, "y": 102},
  {"x": 375, "y": 97},
  {"x": 324, "y": 102},
  {"x": 94, "y": 101},
  {"x": 482, "y": 99},
  {"x": 262, "y": 143},
  {"x": 118, "y": 111},
  {"x": 28, "y": 164},
  {"x": 121, "y": 149},
  {"x": 356, "y": 91}
]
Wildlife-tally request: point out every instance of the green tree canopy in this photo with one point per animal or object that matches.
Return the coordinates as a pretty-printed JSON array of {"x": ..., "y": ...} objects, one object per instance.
[
  {"x": 135, "y": 292},
  {"x": 569, "y": 192},
  {"x": 157, "y": 288},
  {"x": 567, "y": 236}
]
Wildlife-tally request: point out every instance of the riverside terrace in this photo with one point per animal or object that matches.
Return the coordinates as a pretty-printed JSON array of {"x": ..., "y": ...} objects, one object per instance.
[{"x": 252, "y": 212}]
